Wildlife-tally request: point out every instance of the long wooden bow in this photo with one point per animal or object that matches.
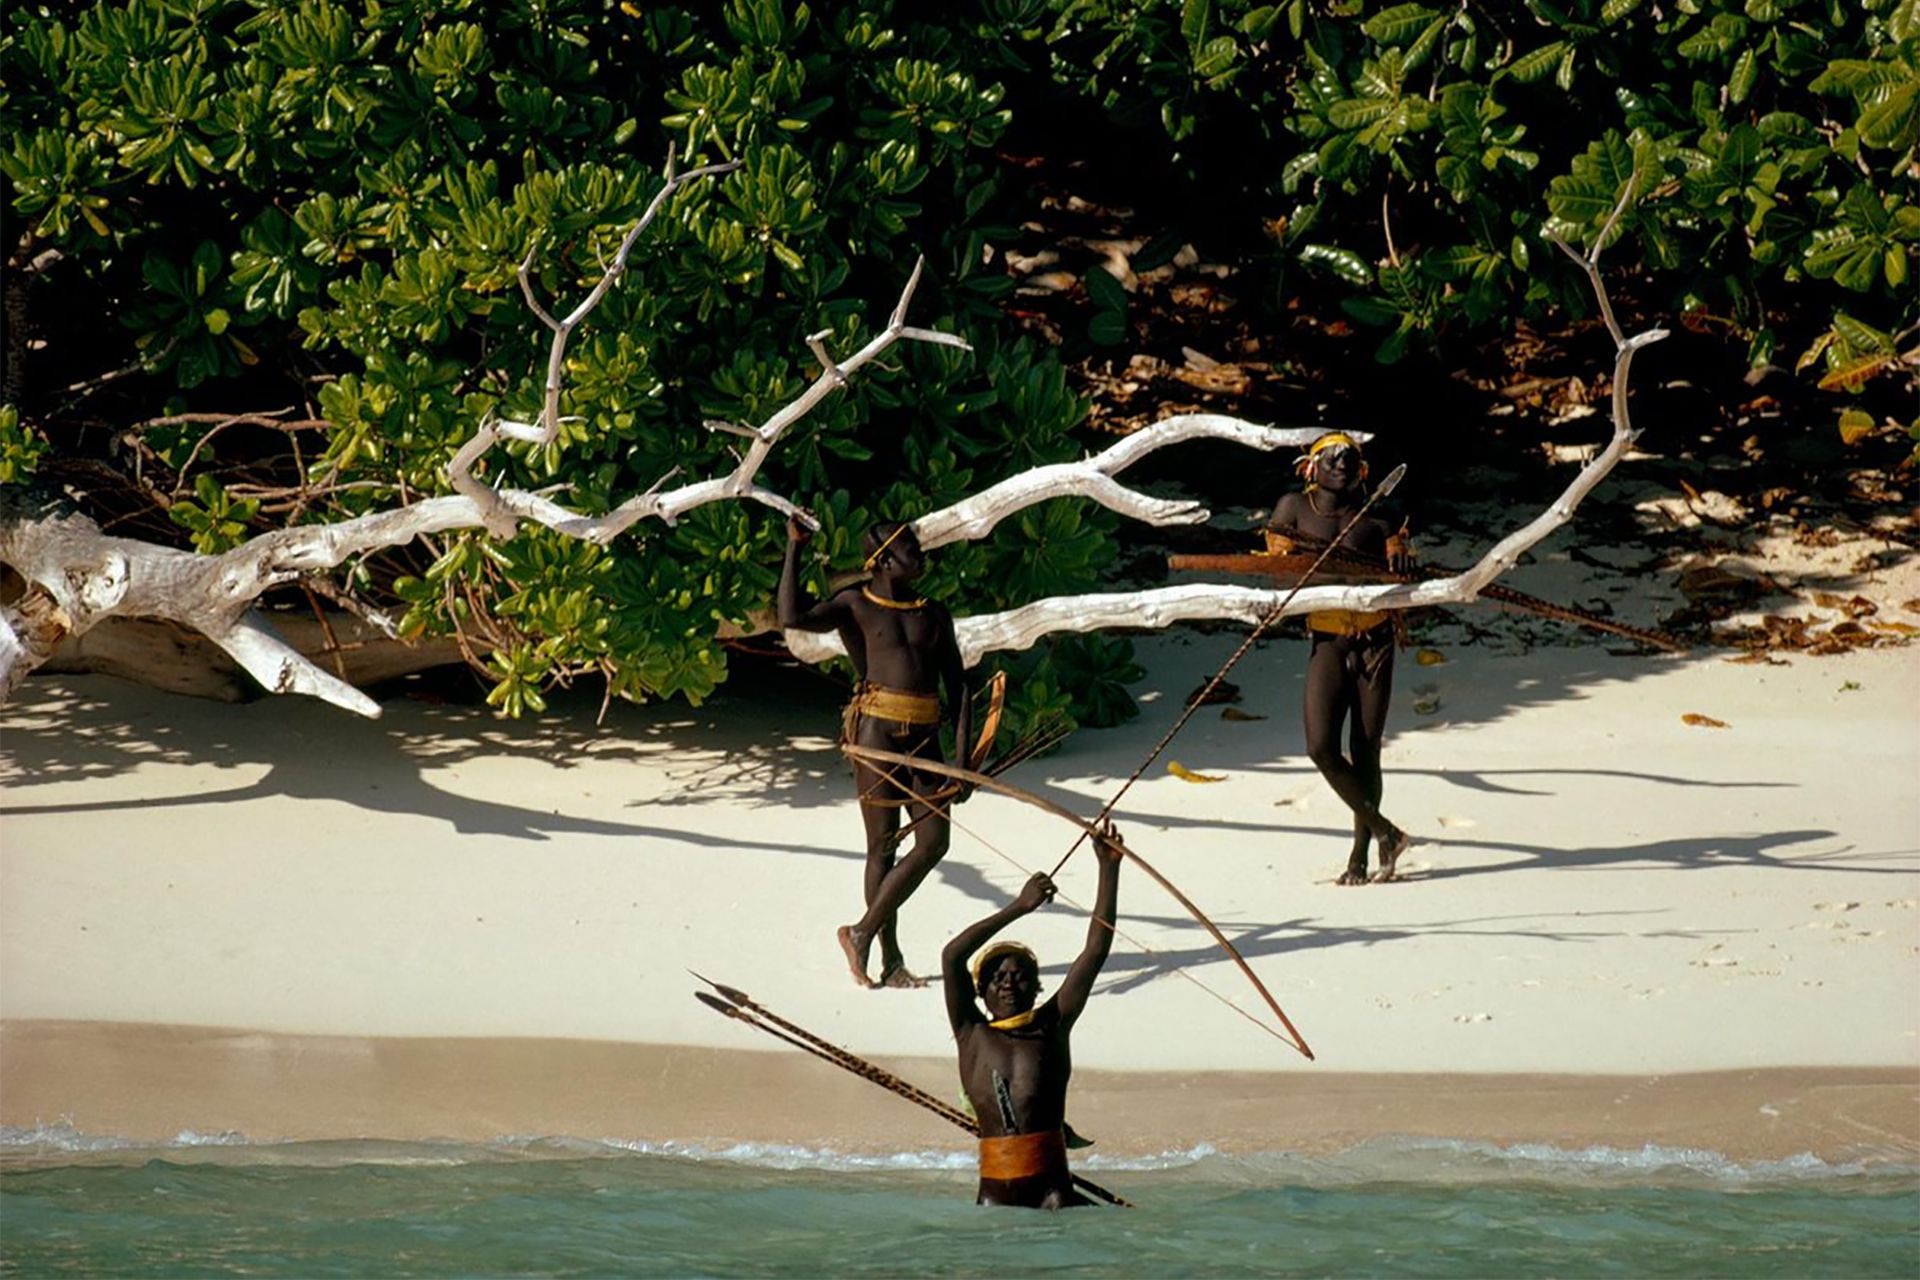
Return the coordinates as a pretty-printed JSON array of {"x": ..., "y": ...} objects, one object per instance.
[{"x": 921, "y": 764}]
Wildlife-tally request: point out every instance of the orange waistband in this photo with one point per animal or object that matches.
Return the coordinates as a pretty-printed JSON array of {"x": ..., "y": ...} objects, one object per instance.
[
  {"x": 1344, "y": 622},
  {"x": 1023, "y": 1155},
  {"x": 897, "y": 705}
]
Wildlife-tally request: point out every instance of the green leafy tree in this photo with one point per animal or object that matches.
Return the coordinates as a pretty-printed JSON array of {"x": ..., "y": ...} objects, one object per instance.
[
  {"x": 1412, "y": 155},
  {"x": 328, "y": 202}
]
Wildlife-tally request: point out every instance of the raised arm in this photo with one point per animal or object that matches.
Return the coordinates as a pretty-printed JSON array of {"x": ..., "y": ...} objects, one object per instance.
[
  {"x": 1073, "y": 993},
  {"x": 962, "y": 1011},
  {"x": 797, "y": 612}
]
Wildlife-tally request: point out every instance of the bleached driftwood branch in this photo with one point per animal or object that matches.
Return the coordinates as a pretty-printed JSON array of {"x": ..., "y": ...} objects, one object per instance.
[
  {"x": 79, "y": 576},
  {"x": 976, "y": 516},
  {"x": 1163, "y": 606}
]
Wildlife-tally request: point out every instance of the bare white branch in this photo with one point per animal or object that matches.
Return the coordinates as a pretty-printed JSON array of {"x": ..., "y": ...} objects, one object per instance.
[
  {"x": 1161, "y": 607},
  {"x": 975, "y": 517}
]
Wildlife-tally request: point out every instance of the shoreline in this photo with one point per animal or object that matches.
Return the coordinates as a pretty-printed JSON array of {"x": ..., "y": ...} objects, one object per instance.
[{"x": 150, "y": 1084}]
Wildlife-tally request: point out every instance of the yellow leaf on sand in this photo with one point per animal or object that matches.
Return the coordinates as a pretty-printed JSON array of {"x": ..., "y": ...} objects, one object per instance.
[
  {"x": 1699, "y": 721},
  {"x": 1235, "y": 713},
  {"x": 1430, "y": 657},
  {"x": 1185, "y": 774}
]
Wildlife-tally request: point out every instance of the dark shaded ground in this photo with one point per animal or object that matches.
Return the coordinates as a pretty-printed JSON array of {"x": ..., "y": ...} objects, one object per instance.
[{"x": 1742, "y": 501}]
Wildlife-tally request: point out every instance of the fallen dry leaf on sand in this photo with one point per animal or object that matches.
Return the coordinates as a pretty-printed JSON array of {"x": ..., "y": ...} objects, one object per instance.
[
  {"x": 1430, "y": 657},
  {"x": 1699, "y": 721},
  {"x": 1185, "y": 774},
  {"x": 1235, "y": 713}
]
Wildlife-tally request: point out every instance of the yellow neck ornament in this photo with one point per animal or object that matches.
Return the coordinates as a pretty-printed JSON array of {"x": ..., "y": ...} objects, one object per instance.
[
  {"x": 885, "y": 603},
  {"x": 1016, "y": 1022}
]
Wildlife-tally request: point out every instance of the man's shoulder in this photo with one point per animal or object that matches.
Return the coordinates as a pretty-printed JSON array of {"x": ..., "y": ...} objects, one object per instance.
[{"x": 1288, "y": 506}]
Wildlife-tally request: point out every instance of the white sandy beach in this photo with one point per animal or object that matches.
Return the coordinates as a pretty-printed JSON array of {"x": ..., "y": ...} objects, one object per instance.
[{"x": 285, "y": 921}]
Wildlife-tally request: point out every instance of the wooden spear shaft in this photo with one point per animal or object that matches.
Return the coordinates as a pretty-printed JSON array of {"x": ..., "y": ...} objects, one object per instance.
[{"x": 1267, "y": 619}]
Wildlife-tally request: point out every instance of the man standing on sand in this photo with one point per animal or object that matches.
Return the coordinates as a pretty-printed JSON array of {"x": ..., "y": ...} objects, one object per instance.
[
  {"x": 1350, "y": 667},
  {"x": 903, "y": 651},
  {"x": 1015, "y": 1060}
]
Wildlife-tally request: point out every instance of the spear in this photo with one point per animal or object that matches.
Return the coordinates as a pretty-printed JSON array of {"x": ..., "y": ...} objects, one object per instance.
[
  {"x": 1267, "y": 619},
  {"x": 737, "y": 1005},
  {"x": 1356, "y": 564}
]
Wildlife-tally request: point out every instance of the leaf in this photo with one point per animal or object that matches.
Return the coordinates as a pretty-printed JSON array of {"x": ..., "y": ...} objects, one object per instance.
[
  {"x": 1746, "y": 69},
  {"x": 1400, "y": 24},
  {"x": 1108, "y": 328},
  {"x": 1345, "y": 263},
  {"x": 1855, "y": 425},
  {"x": 1855, "y": 372},
  {"x": 1185, "y": 774},
  {"x": 1538, "y": 64},
  {"x": 1107, "y": 293},
  {"x": 1235, "y": 713},
  {"x": 1893, "y": 124},
  {"x": 1859, "y": 338},
  {"x": 1430, "y": 658},
  {"x": 1699, "y": 721}
]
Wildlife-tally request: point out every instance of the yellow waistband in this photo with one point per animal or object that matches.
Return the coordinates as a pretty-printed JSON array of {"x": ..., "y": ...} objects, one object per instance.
[
  {"x": 1023, "y": 1155},
  {"x": 896, "y": 705},
  {"x": 1344, "y": 622}
]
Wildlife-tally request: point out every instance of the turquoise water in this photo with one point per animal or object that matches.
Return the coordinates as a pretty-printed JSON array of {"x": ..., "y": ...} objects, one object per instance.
[{"x": 216, "y": 1207}]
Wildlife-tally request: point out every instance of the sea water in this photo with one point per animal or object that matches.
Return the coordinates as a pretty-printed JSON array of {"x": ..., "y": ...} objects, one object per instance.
[{"x": 73, "y": 1204}]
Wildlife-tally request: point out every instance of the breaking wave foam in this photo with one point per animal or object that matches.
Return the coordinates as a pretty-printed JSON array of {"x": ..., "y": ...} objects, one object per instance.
[{"x": 1385, "y": 1159}]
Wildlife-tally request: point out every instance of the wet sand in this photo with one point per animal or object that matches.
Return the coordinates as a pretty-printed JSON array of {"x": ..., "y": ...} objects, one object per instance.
[{"x": 151, "y": 1084}]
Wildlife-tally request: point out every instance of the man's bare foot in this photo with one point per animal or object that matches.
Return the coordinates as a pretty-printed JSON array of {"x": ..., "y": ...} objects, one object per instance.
[
  {"x": 898, "y": 976},
  {"x": 1390, "y": 851},
  {"x": 855, "y": 953},
  {"x": 1353, "y": 874}
]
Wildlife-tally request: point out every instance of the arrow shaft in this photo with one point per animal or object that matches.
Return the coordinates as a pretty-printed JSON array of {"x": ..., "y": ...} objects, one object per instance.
[{"x": 762, "y": 1019}]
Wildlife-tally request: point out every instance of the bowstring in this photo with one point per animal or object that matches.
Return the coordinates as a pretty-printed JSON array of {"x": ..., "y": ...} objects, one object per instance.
[{"x": 891, "y": 774}]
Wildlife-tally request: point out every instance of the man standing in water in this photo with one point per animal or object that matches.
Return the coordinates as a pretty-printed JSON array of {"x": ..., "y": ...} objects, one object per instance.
[
  {"x": 1015, "y": 1060},
  {"x": 1350, "y": 667},
  {"x": 903, "y": 651}
]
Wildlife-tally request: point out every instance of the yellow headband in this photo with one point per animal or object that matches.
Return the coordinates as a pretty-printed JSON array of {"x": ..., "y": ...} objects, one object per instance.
[
  {"x": 1334, "y": 440},
  {"x": 882, "y": 548},
  {"x": 998, "y": 951}
]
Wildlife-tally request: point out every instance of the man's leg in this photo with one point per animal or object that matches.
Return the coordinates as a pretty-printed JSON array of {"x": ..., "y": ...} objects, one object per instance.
[
  {"x": 1373, "y": 693},
  {"x": 881, "y": 822},
  {"x": 932, "y": 837},
  {"x": 883, "y": 843},
  {"x": 1329, "y": 696}
]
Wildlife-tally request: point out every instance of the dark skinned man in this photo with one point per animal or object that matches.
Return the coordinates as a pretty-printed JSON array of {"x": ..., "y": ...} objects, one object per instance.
[
  {"x": 903, "y": 650},
  {"x": 1350, "y": 668},
  {"x": 1015, "y": 1059}
]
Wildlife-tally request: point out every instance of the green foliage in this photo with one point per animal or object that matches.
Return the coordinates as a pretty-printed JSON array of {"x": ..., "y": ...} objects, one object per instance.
[
  {"x": 21, "y": 447},
  {"x": 216, "y": 522},
  {"x": 1418, "y": 152},
  {"x": 335, "y": 196}
]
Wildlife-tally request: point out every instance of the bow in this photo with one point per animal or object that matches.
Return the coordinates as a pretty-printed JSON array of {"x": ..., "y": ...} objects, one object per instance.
[{"x": 922, "y": 764}]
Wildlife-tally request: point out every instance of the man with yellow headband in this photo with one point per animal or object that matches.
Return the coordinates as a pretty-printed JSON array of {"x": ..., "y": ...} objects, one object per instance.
[
  {"x": 903, "y": 651},
  {"x": 1014, "y": 1059},
  {"x": 1350, "y": 667}
]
